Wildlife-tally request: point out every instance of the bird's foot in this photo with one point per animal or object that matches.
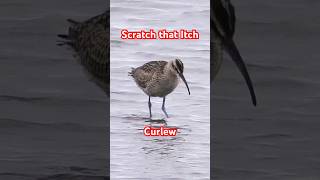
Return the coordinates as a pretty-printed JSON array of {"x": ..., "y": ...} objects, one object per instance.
[
  {"x": 165, "y": 112},
  {"x": 167, "y": 115}
]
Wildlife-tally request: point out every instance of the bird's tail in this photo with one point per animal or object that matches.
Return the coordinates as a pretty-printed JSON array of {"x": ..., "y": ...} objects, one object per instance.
[
  {"x": 67, "y": 39},
  {"x": 131, "y": 72},
  {"x": 233, "y": 51}
]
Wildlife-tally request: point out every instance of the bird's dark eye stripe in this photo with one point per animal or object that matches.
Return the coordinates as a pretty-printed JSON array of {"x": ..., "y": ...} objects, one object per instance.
[{"x": 179, "y": 65}]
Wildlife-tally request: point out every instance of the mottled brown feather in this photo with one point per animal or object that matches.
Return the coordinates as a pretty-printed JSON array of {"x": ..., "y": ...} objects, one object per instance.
[
  {"x": 90, "y": 40},
  {"x": 144, "y": 74}
]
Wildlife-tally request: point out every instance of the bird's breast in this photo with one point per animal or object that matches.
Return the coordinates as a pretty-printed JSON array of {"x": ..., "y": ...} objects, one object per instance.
[{"x": 163, "y": 85}]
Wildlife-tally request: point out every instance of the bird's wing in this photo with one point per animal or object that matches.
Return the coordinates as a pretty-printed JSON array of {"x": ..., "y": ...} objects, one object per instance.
[
  {"x": 90, "y": 41},
  {"x": 144, "y": 74}
]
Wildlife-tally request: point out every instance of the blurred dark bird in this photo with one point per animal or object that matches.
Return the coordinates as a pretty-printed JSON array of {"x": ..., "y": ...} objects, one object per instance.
[
  {"x": 90, "y": 41},
  {"x": 223, "y": 26}
]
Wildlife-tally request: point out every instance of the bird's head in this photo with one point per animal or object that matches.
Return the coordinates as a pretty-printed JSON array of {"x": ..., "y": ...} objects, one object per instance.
[{"x": 177, "y": 67}]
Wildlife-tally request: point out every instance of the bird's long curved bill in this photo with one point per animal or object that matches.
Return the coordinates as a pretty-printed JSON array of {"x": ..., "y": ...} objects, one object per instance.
[
  {"x": 185, "y": 82},
  {"x": 236, "y": 57}
]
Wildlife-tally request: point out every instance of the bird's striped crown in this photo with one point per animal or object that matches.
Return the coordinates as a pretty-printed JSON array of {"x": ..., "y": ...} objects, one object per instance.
[{"x": 177, "y": 65}]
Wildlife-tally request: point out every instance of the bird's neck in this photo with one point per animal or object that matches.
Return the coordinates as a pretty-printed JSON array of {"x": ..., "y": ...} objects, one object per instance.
[{"x": 169, "y": 71}]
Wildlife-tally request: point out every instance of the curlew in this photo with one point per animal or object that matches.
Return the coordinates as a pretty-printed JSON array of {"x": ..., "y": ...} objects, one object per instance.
[
  {"x": 90, "y": 41},
  {"x": 158, "y": 79},
  {"x": 223, "y": 23}
]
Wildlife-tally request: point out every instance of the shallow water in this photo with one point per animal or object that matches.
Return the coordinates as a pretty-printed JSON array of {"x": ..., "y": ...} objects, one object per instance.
[
  {"x": 52, "y": 119},
  {"x": 186, "y": 156}
]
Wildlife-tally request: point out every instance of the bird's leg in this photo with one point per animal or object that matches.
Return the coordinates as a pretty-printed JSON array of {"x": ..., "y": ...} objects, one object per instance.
[
  {"x": 149, "y": 103},
  {"x": 163, "y": 107}
]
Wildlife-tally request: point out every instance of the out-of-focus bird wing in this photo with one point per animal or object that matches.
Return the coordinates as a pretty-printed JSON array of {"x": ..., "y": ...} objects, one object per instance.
[{"x": 90, "y": 40}]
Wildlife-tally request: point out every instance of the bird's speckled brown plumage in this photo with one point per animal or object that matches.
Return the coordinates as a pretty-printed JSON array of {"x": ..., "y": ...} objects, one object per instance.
[
  {"x": 155, "y": 78},
  {"x": 144, "y": 74},
  {"x": 90, "y": 40},
  {"x": 158, "y": 79}
]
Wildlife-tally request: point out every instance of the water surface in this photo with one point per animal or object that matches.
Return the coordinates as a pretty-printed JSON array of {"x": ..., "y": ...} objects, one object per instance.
[
  {"x": 133, "y": 155},
  {"x": 52, "y": 118},
  {"x": 279, "y": 139}
]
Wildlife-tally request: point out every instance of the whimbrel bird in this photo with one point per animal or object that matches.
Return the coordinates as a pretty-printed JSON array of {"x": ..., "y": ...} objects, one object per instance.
[
  {"x": 223, "y": 23},
  {"x": 90, "y": 41},
  {"x": 158, "y": 79}
]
